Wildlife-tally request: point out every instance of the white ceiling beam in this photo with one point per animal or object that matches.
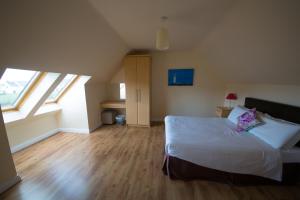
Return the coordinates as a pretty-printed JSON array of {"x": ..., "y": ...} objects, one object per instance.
[{"x": 40, "y": 94}]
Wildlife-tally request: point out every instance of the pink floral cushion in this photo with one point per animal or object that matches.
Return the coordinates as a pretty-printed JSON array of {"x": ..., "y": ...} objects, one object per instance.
[{"x": 247, "y": 120}]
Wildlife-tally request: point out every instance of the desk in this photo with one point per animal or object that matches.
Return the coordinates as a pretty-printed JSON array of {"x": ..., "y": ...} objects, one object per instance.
[{"x": 113, "y": 104}]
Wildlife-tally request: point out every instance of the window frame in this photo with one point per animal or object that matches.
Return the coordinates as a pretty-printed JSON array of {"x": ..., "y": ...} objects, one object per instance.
[
  {"x": 63, "y": 91},
  {"x": 24, "y": 94}
]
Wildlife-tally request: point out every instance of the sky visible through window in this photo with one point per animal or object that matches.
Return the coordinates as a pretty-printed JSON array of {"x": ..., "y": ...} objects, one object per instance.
[
  {"x": 122, "y": 91},
  {"x": 61, "y": 87},
  {"x": 13, "y": 84}
]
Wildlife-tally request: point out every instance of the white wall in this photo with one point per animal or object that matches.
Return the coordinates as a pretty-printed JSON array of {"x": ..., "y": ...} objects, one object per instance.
[
  {"x": 73, "y": 116},
  {"x": 288, "y": 94},
  {"x": 24, "y": 130},
  {"x": 113, "y": 91},
  {"x": 200, "y": 99},
  {"x": 7, "y": 168},
  {"x": 113, "y": 86},
  {"x": 95, "y": 93},
  {"x": 80, "y": 113}
]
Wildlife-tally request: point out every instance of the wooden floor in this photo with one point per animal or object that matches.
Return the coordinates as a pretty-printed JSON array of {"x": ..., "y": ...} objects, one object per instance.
[{"x": 116, "y": 163}]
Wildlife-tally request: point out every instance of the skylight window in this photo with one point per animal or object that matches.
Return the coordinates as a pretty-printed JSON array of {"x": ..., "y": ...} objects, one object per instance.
[
  {"x": 13, "y": 85},
  {"x": 122, "y": 91},
  {"x": 62, "y": 86}
]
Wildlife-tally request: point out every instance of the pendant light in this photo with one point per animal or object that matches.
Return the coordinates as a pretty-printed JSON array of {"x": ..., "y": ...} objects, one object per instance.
[{"x": 162, "y": 36}]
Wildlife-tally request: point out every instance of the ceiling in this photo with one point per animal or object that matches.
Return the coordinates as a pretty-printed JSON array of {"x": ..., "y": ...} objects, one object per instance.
[
  {"x": 258, "y": 39},
  {"x": 257, "y": 42},
  {"x": 66, "y": 36},
  {"x": 136, "y": 21}
]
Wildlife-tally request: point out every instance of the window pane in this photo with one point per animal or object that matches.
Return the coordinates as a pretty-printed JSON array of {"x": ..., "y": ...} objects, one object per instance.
[
  {"x": 122, "y": 91},
  {"x": 13, "y": 84},
  {"x": 61, "y": 87}
]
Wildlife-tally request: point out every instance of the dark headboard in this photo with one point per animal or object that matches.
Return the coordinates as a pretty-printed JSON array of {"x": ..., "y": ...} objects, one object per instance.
[{"x": 278, "y": 110}]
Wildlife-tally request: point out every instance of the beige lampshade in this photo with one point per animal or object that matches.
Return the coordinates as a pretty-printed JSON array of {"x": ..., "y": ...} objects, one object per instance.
[{"x": 162, "y": 39}]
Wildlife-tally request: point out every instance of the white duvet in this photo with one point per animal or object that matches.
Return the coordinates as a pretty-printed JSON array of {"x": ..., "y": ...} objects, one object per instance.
[{"x": 213, "y": 143}]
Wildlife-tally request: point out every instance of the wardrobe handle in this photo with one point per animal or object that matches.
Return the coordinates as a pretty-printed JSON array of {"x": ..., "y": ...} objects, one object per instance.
[{"x": 137, "y": 95}]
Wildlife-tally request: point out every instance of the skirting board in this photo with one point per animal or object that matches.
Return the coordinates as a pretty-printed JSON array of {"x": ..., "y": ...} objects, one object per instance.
[
  {"x": 34, "y": 140},
  {"x": 75, "y": 130},
  {"x": 9, "y": 184},
  {"x": 39, "y": 138}
]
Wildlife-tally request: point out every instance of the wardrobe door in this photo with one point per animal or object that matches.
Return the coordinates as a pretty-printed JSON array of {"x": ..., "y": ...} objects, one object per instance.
[
  {"x": 130, "y": 67},
  {"x": 143, "y": 85}
]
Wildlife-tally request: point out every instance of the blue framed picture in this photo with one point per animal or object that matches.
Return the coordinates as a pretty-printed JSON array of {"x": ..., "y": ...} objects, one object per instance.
[{"x": 180, "y": 77}]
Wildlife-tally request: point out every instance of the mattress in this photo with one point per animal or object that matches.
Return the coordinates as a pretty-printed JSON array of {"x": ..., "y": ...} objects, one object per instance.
[{"x": 213, "y": 143}]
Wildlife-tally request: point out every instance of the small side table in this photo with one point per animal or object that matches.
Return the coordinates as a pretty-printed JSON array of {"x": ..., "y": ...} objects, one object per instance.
[{"x": 222, "y": 111}]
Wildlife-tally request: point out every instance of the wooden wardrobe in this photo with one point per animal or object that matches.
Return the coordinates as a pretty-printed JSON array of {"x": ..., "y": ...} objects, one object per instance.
[{"x": 137, "y": 82}]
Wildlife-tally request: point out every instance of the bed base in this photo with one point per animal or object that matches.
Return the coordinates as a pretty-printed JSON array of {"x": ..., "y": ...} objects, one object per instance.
[{"x": 179, "y": 169}]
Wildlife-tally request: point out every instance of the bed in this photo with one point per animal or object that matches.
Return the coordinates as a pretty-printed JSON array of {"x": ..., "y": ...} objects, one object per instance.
[{"x": 219, "y": 154}]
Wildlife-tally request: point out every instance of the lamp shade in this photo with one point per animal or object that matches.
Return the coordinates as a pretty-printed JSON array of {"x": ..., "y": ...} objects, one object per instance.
[
  {"x": 162, "y": 39},
  {"x": 231, "y": 96}
]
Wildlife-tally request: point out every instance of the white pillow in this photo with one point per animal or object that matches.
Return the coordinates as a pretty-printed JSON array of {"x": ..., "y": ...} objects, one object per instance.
[
  {"x": 235, "y": 113},
  {"x": 275, "y": 133},
  {"x": 294, "y": 140}
]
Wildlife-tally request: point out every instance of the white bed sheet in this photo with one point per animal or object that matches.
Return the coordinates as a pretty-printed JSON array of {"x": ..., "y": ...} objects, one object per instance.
[{"x": 213, "y": 143}]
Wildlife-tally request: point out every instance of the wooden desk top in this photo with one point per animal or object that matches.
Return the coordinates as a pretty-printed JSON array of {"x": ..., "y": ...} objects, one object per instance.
[{"x": 113, "y": 104}]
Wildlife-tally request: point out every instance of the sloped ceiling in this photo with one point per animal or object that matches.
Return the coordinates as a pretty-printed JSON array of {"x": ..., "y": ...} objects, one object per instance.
[
  {"x": 67, "y": 36},
  {"x": 242, "y": 41},
  {"x": 138, "y": 20},
  {"x": 256, "y": 42}
]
